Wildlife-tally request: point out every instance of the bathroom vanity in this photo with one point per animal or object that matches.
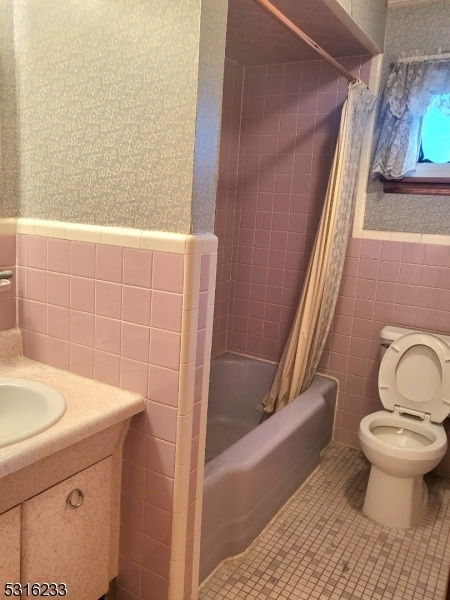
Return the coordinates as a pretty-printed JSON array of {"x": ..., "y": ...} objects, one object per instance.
[{"x": 60, "y": 491}]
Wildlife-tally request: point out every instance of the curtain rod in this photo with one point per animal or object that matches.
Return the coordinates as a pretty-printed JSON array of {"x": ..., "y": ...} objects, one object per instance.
[{"x": 281, "y": 18}]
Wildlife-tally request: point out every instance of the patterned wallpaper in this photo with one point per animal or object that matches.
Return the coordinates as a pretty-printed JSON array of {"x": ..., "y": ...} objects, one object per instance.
[
  {"x": 370, "y": 16},
  {"x": 107, "y": 96},
  {"x": 9, "y": 176},
  {"x": 209, "y": 114},
  {"x": 411, "y": 29}
]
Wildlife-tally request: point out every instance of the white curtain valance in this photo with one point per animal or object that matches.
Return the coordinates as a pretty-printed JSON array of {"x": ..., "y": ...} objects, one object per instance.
[{"x": 410, "y": 90}]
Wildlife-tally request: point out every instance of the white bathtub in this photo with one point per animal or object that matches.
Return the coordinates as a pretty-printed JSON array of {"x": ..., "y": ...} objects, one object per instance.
[{"x": 247, "y": 483}]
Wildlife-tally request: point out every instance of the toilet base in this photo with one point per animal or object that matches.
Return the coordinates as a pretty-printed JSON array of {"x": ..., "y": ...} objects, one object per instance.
[{"x": 395, "y": 501}]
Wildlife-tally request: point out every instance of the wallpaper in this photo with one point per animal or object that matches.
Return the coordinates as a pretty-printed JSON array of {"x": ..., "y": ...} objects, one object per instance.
[
  {"x": 209, "y": 112},
  {"x": 9, "y": 175},
  {"x": 107, "y": 96},
  {"x": 411, "y": 29},
  {"x": 370, "y": 15}
]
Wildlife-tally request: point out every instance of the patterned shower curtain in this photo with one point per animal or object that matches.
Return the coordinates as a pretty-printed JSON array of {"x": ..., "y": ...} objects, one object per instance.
[{"x": 317, "y": 303}]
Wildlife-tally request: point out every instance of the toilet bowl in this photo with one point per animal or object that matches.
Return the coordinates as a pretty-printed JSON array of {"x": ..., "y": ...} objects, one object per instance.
[{"x": 407, "y": 439}]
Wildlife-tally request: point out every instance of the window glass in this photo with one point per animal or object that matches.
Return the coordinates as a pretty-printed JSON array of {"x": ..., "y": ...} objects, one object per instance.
[{"x": 436, "y": 133}]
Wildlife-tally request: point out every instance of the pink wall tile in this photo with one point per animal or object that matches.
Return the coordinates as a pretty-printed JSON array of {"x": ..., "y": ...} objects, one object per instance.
[
  {"x": 58, "y": 289},
  {"x": 7, "y": 250},
  {"x": 82, "y": 259},
  {"x": 58, "y": 255},
  {"x": 135, "y": 342},
  {"x": 58, "y": 353},
  {"x": 156, "y": 557},
  {"x": 158, "y": 490},
  {"x": 134, "y": 376},
  {"x": 163, "y": 421},
  {"x": 107, "y": 335},
  {"x": 163, "y": 385},
  {"x": 7, "y": 313},
  {"x": 82, "y": 294},
  {"x": 157, "y": 523},
  {"x": 36, "y": 281},
  {"x": 137, "y": 267},
  {"x": 108, "y": 263},
  {"x": 165, "y": 348},
  {"x": 136, "y": 305},
  {"x": 36, "y": 252},
  {"x": 153, "y": 586},
  {"x": 130, "y": 577},
  {"x": 82, "y": 327},
  {"x": 82, "y": 360},
  {"x": 87, "y": 309},
  {"x": 168, "y": 272},
  {"x": 36, "y": 318},
  {"x": 58, "y": 322},
  {"x": 285, "y": 144},
  {"x": 108, "y": 299},
  {"x": 107, "y": 368},
  {"x": 160, "y": 456},
  {"x": 36, "y": 346}
]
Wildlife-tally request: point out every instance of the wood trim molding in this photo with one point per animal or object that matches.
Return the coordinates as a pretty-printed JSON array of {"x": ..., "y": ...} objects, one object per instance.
[{"x": 423, "y": 186}]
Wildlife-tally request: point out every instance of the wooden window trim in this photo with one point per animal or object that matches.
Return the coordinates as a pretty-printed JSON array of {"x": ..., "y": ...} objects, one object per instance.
[{"x": 426, "y": 186}]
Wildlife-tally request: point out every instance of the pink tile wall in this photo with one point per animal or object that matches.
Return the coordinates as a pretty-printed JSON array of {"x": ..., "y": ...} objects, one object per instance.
[
  {"x": 8, "y": 297},
  {"x": 115, "y": 315},
  {"x": 290, "y": 114},
  {"x": 384, "y": 282},
  {"x": 288, "y": 126},
  {"x": 200, "y": 368}
]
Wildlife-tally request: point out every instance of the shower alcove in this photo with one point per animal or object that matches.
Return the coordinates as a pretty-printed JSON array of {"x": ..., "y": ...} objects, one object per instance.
[{"x": 280, "y": 118}]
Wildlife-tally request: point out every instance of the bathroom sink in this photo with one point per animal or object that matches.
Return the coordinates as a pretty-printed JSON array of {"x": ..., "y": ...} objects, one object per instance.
[{"x": 27, "y": 408}]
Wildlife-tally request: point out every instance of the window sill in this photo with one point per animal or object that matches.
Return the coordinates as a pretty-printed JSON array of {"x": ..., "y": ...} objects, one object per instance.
[{"x": 426, "y": 186}]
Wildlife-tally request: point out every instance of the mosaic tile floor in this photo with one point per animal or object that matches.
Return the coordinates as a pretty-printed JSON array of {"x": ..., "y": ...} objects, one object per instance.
[{"x": 321, "y": 547}]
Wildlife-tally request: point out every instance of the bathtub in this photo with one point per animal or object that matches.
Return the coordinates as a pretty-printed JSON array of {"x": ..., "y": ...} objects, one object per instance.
[{"x": 254, "y": 467}]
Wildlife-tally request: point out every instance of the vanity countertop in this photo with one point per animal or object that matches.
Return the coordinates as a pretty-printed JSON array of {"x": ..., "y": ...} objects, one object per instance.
[{"x": 91, "y": 407}]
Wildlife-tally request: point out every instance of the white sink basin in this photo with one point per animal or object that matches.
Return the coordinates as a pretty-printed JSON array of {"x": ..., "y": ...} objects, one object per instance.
[{"x": 27, "y": 408}]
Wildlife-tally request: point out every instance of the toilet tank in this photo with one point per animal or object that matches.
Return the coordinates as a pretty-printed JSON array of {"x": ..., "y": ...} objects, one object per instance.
[{"x": 390, "y": 333}]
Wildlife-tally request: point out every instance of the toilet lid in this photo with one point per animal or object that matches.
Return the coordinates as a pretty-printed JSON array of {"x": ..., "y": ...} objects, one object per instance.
[{"x": 415, "y": 375}]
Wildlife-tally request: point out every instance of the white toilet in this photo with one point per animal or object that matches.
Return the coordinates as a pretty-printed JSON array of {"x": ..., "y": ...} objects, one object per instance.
[{"x": 406, "y": 440}]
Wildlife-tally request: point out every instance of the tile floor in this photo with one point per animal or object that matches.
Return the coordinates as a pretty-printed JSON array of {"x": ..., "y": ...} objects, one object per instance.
[{"x": 321, "y": 547}]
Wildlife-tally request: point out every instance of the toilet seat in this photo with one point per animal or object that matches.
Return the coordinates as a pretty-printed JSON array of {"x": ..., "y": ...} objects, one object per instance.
[{"x": 414, "y": 376}]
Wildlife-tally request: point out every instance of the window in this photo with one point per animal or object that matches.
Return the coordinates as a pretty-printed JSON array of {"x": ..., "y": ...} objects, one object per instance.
[
  {"x": 412, "y": 151},
  {"x": 432, "y": 174}
]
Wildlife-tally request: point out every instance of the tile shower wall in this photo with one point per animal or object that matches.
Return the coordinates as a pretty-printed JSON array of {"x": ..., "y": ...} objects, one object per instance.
[
  {"x": 141, "y": 320},
  {"x": 273, "y": 177},
  {"x": 264, "y": 238},
  {"x": 384, "y": 282}
]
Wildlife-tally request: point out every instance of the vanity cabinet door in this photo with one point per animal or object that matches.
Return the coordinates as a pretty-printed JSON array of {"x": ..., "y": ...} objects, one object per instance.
[
  {"x": 65, "y": 534},
  {"x": 9, "y": 548}
]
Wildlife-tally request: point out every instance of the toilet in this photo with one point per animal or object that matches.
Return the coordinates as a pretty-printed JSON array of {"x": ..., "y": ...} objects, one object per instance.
[{"x": 407, "y": 439}]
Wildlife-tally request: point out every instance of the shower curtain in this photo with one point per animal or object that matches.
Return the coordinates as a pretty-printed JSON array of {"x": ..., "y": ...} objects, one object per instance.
[{"x": 317, "y": 303}]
